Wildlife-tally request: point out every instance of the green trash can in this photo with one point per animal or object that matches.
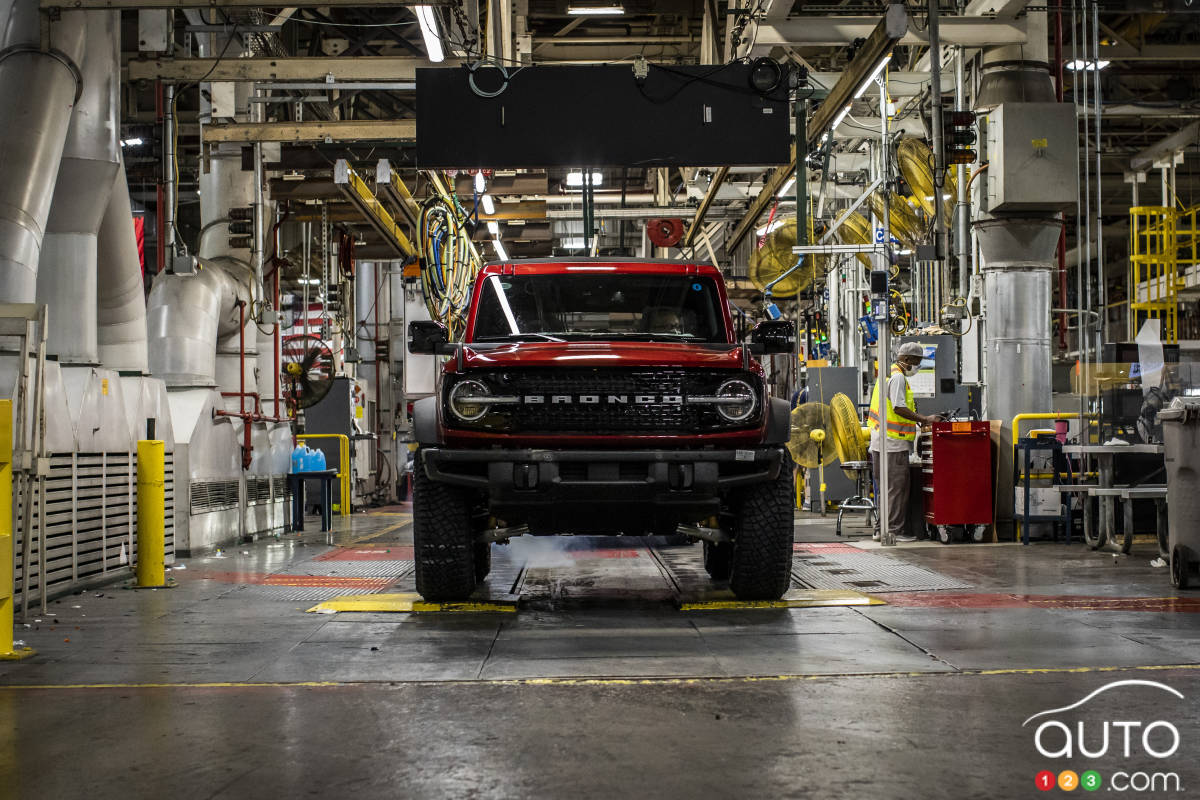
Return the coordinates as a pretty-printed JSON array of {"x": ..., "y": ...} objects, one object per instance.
[{"x": 1181, "y": 439}]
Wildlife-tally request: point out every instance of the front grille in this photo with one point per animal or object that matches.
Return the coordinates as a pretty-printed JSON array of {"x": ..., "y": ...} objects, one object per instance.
[{"x": 608, "y": 418}]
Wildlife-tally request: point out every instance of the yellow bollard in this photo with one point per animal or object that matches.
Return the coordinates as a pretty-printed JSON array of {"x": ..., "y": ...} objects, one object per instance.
[
  {"x": 151, "y": 513},
  {"x": 7, "y": 652}
]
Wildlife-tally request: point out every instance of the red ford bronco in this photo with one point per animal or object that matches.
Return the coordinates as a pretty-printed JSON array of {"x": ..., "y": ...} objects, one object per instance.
[{"x": 602, "y": 397}]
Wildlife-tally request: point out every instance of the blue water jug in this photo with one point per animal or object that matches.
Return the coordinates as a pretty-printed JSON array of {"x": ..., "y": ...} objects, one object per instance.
[
  {"x": 317, "y": 462},
  {"x": 298, "y": 458}
]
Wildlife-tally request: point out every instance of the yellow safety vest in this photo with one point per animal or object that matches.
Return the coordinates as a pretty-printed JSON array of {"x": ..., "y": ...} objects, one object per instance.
[{"x": 897, "y": 426}]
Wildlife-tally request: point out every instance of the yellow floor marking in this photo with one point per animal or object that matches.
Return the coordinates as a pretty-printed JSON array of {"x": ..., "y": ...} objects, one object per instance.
[
  {"x": 796, "y": 598},
  {"x": 389, "y": 529},
  {"x": 401, "y": 602},
  {"x": 609, "y": 681}
]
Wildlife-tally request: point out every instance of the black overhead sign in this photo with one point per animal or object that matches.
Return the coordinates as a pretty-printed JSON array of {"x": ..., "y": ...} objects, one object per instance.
[{"x": 577, "y": 116}]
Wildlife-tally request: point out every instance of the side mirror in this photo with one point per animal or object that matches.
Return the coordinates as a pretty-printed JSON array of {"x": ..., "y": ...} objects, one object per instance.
[
  {"x": 775, "y": 336},
  {"x": 426, "y": 336}
]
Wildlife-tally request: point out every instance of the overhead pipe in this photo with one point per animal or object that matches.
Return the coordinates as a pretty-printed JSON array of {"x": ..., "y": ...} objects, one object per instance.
[
  {"x": 66, "y": 280},
  {"x": 121, "y": 296},
  {"x": 38, "y": 89}
]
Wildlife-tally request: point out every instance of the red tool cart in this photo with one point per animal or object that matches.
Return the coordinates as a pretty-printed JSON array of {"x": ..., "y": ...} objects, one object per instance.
[{"x": 957, "y": 471}]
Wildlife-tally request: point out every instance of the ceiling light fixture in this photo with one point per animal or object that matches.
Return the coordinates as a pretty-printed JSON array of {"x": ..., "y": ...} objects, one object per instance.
[
  {"x": 1078, "y": 65},
  {"x": 787, "y": 187},
  {"x": 875, "y": 73},
  {"x": 575, "y": 179},
  {"x": 595, "y": 11},
  {"x": 501, "y": 253},
  {"x": 845, "y": 112},
  {"x": 493, "y": 227},
  {"x": 134, "y": 141},
  {"x": 775, "y": 224},
  {"x": 489, "y": 206},
  {"x": 427, "y": 17},
  {"x": 480, "y": 183}
]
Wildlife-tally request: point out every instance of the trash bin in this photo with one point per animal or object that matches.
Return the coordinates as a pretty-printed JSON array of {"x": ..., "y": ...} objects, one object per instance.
[{"x": 1181, "y": 437}]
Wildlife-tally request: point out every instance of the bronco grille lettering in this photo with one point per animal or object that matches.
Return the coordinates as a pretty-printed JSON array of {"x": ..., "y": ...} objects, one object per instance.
[{"x": 595, "y": 399}]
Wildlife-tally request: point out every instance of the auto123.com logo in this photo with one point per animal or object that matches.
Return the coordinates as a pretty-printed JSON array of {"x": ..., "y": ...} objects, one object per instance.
[{"x": 1106, "y": 737}]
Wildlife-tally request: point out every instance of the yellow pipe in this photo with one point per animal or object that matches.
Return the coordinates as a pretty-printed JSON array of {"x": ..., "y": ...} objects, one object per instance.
[
  {"x": 151, "y": 514},
  {"x": 343, "y": 508},
  {"x": 7, "y": 653}
]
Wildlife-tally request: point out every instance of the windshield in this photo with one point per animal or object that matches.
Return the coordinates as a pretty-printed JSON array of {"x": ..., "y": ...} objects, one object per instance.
[{"x": 576, "y": 307}]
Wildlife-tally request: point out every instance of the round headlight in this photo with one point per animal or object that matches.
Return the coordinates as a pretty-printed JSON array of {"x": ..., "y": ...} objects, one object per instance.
[
  {"x": 464, "y": 400},
  {"x": 737, "y": 401}
]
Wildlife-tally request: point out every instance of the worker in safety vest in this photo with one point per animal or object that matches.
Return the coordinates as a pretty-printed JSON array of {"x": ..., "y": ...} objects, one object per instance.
[{"x": 902, "y": 421}]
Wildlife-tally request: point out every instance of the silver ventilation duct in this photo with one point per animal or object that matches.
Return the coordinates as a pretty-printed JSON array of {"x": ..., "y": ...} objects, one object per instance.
[
  {"x": 121, "y": 299},
  {"x": 187, "y": 315},
  {"x": 66, "y": 280},
  {"x": 1018, "y": 73},
  {"x": 37, "y": 92}
]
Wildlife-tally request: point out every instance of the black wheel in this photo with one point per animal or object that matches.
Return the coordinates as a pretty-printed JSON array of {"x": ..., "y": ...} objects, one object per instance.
[
  {"x": 762, "y": 544},
  {"x": 718, "y": 560},
  {"x": 443, "y": 544},
  {"x": 1180, "y": 568},
  {"x": 483, "y": 560}
]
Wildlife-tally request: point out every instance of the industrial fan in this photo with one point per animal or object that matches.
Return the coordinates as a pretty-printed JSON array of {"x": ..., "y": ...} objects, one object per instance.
[
  {"x": 811, "y": 426},
  {"x": 856, "y": 230},
  {"x": 916, "y": 165},
  {"x": 848, "y": 437},
  {"x": 905, "y": 224},
  {"x": 775, "y": 258},
  {"x": 307, "y": 369},
  {"x": 665, "y": 231}
]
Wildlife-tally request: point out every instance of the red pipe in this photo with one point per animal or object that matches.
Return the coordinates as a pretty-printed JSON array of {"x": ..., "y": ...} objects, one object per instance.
[
  {"x": 159, "y": 201},
  {"x": 1062, "y": 234},
  {"x": 247, "y": 447}
]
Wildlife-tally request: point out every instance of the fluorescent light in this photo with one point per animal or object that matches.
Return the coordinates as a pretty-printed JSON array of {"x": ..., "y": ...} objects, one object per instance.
[
  {"x": 576, "y": 178},
  {"x": 489, "y": 206},
  {"x": 310, "y": 281},
  {"x": 493, "y": 227},
  {"x": 1079, "y": 64},
  {"x": 787, "y": 187},
  {"x": 501, "y": 253},
  {"x": 841, "y": 116},
  {"x": 875, "y": 73},
  {"x": 429, "y": 29},
  {"x": 765, "y": 229},
  {"x": 595, "y": 11},
  {"x": 480, "y": 183},
  {"x": 132, "y": 142}
]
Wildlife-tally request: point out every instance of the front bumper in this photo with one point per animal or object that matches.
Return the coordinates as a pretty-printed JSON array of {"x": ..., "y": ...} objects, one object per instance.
[{"x": 566, "y": 488}]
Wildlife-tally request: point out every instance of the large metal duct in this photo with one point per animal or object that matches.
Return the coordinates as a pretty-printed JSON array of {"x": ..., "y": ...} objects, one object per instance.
[
  {"x": 1018, "y": 257},
  {"x": 187, "y": 315},
  {"x": 66, "y": 280},
  {"x": 121, "y": 298},
  {"x": 37, "y": 92},
  {"x": 1018, "y": 72}
]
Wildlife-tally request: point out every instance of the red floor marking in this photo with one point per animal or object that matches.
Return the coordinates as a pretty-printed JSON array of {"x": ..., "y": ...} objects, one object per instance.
[
  {"x": 392, "y": 552},
  {"x": 602, "y": 553},
  {"x": 263, "y": 579},
  {"x": 826, "y": 547},
  {"x": 1186, "y": 605}
]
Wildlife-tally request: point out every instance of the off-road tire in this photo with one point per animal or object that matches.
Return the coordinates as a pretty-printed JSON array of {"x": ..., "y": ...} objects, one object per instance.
[
  {"x": 762, "y": 544},
  {"x": 718, "y": 560},
  {"x": 443, "y": 539}
]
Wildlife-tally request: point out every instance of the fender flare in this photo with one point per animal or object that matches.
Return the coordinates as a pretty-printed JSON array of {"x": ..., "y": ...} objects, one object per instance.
[
  {"x": 425, "y": 421},
  {"x": 779, "y": 422}
]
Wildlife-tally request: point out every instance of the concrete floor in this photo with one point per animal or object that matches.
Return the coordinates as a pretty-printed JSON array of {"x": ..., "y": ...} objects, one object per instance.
[{"x": 598, "y": 685}]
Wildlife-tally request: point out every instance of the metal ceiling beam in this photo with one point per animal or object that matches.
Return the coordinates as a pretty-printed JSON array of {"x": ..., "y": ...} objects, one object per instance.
[
  {"x": 359, "y": 194},
  {"x": 882, "y": 38},
  {"x": 1151, "y": 52},
  {"x": 840, "y": 31},
  {"x": 1005, "y": 9},
  {"x": 714, "y": 186},
  {"x": 318, "y": 131},
  {"x": 290, "y": 68},
  {"x": 1167, "y": 148}
]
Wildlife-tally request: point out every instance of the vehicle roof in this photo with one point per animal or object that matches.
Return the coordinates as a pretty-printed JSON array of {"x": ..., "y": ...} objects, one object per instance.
[{"x": 564, "y": 264}]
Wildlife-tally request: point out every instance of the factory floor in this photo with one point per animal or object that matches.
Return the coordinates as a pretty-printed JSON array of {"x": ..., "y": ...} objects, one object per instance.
[{"x": 589, "y": 679}]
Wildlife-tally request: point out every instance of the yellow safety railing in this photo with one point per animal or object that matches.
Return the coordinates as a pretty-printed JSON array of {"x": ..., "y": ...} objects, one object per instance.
[
  {"x": 1154, "y": 270},
  {"x": 7, "y": 651},
  {"x": 343, "y": 506},
  {"x": 151, "y": 515}
]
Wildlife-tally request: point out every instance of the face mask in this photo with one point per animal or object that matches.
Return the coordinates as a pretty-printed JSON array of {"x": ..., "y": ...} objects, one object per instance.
[{"x": 911, "y": 369}]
